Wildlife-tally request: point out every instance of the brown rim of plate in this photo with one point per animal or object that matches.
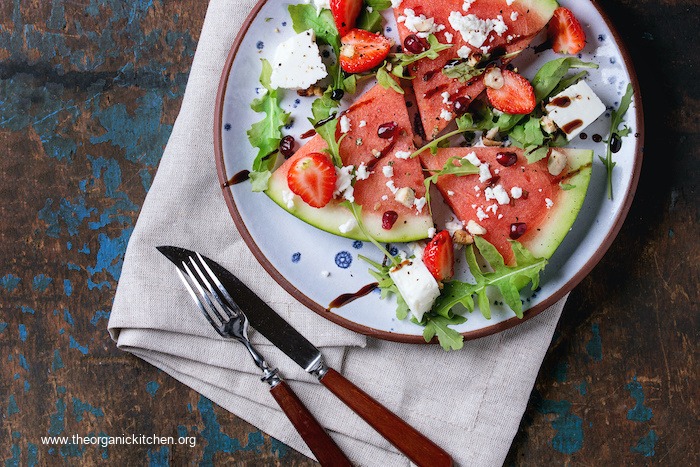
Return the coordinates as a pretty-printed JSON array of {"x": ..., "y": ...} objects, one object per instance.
[{"x": 407, "y": 338}]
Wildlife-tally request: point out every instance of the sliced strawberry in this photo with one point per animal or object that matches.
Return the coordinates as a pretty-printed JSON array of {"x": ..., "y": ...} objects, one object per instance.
[
  {"x": 313, "y": 178},
  {"x": 439, "y": 256},
  {"x": 363, "y": 50},
  {"x": 515, "y": 96},
  {"x": 345, "y": 13},
  {"x": 565, "y": 32}
]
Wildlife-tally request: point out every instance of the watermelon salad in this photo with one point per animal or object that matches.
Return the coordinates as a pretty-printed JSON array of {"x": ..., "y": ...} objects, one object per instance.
[{"x": 444, "y": 114}]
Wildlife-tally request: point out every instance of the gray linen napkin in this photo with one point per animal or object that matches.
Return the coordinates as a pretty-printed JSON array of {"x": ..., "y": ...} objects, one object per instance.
[{"x": 470, "y": 402}]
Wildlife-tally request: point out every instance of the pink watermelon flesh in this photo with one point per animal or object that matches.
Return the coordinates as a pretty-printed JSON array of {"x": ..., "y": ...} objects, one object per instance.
[
  {"x": 374, "y": 108},
  {"x": 430, "y": 83},
  {"x": 546, "y": 226}
]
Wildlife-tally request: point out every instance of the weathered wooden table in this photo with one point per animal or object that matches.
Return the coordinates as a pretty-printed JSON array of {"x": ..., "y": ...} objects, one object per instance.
[{"x": 89, "y": 91}]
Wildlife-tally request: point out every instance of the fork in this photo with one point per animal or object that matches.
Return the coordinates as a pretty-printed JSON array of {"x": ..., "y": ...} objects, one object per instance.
[{"x": 229, "y": 321}]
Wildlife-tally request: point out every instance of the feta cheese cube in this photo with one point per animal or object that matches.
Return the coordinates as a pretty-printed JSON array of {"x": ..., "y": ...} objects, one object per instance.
[
  {"x": 345, "y": 125},
  {"x": 575, "y": 108},
  {"x": 416, "y": 285},
  {"x": 297, "y": 63},
  {"x": 347, "y": 226}
]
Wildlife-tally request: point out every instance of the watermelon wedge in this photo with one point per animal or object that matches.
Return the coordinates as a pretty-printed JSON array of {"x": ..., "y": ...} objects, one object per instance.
[
  {"x": 362, "y": 146},
  {"x": 522, "y": 18},
  {"x": 541, "y": 207}
]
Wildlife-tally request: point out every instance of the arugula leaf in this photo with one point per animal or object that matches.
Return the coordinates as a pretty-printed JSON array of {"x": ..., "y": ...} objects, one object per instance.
[
  {"x": 369, "y": 20},
  {"x": 323, "y": 107},
  {"x": 327, "y": 132},
  {"x": 396, "y": 63},
  {"x": 462, "y": 71},
  {"x": 386, "y": 81},
  {"x": 464, "y": 123},
  {"x": 387, "y": 286},
  {"x": 617, "y": 133},
  {"x": 356, "y": 211},
  {"x": 266, "y": 134},
  {"x": 509, "y": 280},
  {"x": 259, "y": 180},
  {"x": 378, "y": 4},
  {"x": 305, "y": 17},
  {"x": 448, "y": 338},
  {"x": 551, "y": 73}
]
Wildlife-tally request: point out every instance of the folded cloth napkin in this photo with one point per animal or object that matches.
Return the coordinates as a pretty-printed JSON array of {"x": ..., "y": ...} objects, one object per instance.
[{"x": 470, "y": 402}]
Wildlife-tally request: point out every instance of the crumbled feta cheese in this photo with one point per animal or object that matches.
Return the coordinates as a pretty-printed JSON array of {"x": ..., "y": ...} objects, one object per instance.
[
  {"x": 493, "y": 208},
  {"x": 370, "y": 9},
  {"x": 481, "y": 214},
  {"x": 450, "y": 193},
  {"x": 514, "y": 16},
  {"x": 453, "y": 225},
  {"x": 402, "y": 154},
  {"x": 388, "y": 171},
  {"x": 473, "y": 159},
  {"x": 475, "y": 30},
  {"x": 419, "y": 203},
  {"x": 416, "y": 285},
  {"x": 467, "y": 4},
  {"x": 347, "y": 226},
  {"x": 362, "y": 173},
  {"x": 548, "y": 202},
  {"x": 501, "y": 195},
  {"x": 297, "y": 63},
  {"x": 288, "y": 199},
  {"x": 449, "y": 37},
  {"x": 446, "y": 98},
  {"x": 516, "y": 192},
  {"x": 343, "y": 183},
  {"x": 420, "y": 25},
  {"x": 391, "y": 186},
  {"x": 575, "y": 108},
  {"x": 446, "y": 115},
  {"x": 510, "y": 2},
  {"x": 484, "y": 173},
  {"x": 464, "y": 52},
  {"x": 325, "y": 273},
  {"x": 345, "y": 125},
  {"x": 431, "y": 232},
  {"x": 475, "y": 229},
  {"x": 396, "y": 3},
  {"x": 363, "y": 123},
  {"x": 405, "y": 196}
]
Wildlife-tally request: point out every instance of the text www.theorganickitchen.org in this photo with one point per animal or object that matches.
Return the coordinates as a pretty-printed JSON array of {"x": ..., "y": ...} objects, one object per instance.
[{"x": 104, "y": 441}]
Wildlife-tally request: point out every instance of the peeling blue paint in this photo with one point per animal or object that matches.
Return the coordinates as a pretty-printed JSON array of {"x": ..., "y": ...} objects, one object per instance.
[
  {"x": 569, "y": 427},
  {"x": 67, "y": 287},
  {"x": 83, "y": 349},
  {"x": 159, "y": 458},
  {"x": 27, "y": 310},
  {"x": 22, "y": 330},
  {"x": 152, "y": 387},
  {"x": 12, "y": 407},
  {"x": 647, "y": 444},
  {"x": 80, "y": 408},
  {"x": 10, "y": 282},
  {"x": 278, "y": 447},
  {"x": 3, "y": 326},
  {"x": 26, "y": 386},
  {"x": 23, "y": 362},
  {"x": 57, "y": 420},
  {"x": 560, "y": 371},
  {"x": 68, "y": 318},
  {"x": 32, "y": 455},
  {"x": 70, "y": 213},
  {"x": 639, "y": 413},
  {"x": 99, "y": 314},
  {"x": 41, "y": 283},
  {"x": 15, "y": 459},
  {"x": 110, "y": 255},
  {"x": 57, "y": 362},
  {"x": 595, "y": 345},
  {"x": 583, "y": 388},
  {"x": 217, "y": 441}
]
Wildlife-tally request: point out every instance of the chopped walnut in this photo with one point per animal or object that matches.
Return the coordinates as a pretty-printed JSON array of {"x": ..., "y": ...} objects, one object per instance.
[{"x": 462, "y": 237}]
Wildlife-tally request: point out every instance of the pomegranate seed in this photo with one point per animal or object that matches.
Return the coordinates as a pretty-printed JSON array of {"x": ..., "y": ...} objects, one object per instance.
[
  {"x": 517, "y": 230},
  {"x": 506, "y": 159},
  {"x": 287, "y": 146},
  {"x": 461, "y": 104},
  {"x": 415, "y": 44},
  {"x": 389, "y": 219},
  {"x": 387, "y": 130}
]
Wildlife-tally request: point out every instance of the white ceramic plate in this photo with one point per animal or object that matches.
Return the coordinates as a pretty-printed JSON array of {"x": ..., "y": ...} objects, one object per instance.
[{"x": 296, "y": 254}]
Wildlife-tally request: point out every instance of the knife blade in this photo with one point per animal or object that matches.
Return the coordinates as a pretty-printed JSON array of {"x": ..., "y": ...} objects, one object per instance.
[{"x": 417, "y": 447}]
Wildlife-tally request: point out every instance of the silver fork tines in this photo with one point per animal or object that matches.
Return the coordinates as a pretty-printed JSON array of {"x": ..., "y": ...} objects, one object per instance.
[{"x": 201, "y": 286}]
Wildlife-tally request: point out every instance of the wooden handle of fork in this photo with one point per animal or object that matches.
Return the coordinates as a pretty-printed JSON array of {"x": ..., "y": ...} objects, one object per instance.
[
  {"x": 321, "y": 444},
  {"x": 407, "y": 439}
]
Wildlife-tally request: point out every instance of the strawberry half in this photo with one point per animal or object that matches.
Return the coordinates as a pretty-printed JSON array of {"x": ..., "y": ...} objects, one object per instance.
[
  {"x": 313, "y": 178},
  {"x": 363, "y": 50},
  {"x": 439, "y": 256},
  {"x": 515, "y": 96},
  {"x": 345, "y": 13},
  {"x": 565, "y": 32}
]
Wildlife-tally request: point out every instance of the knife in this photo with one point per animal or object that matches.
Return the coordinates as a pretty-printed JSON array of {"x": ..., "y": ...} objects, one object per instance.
[
  {"x": 417, "y": 447},
  {"x": 235, "y": 326}
]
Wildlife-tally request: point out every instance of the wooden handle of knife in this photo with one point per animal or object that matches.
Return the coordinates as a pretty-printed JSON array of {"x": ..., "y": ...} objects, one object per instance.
[
  {"x": 316, "y": 438},
  {"x": 407, "y": 439}
]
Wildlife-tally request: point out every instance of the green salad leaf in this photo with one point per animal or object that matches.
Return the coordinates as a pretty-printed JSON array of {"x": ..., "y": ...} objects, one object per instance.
[
  {"x": 509, "y": 280},
  {"x": 387, "y": 286},
  {"x": 378, "y": 4},
  {"x": 356, "y": 211},
  {"x": 305, "y": 17},
  {"x": 436, "y": 325},
  {"x": 266, "y": 134},
  {"x": 327, "y": 131},
  {"x": 396, "y": 64},
  {"x": 617, "y": 133}
]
